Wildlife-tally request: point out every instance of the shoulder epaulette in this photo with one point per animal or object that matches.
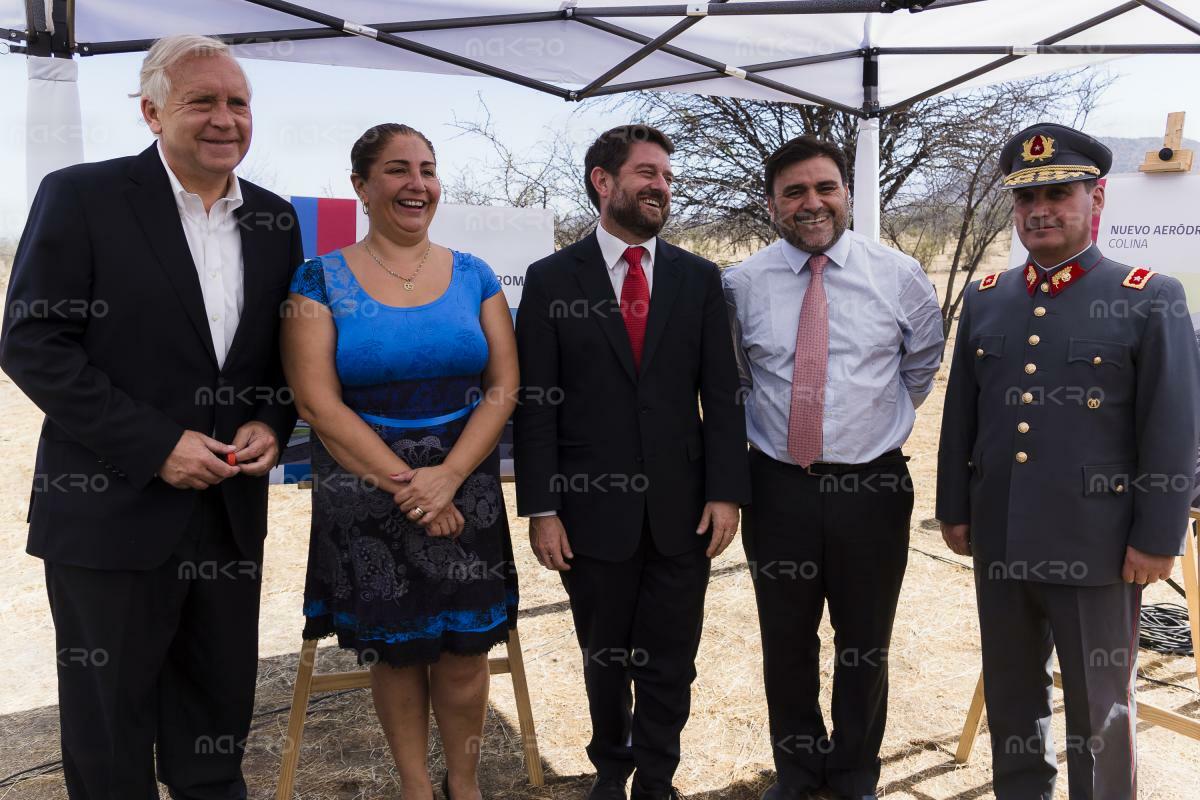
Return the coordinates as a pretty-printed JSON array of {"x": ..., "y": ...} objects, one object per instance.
[
  {"x": 989, "y": 281},
  {"x": 1138, "y": 277}
]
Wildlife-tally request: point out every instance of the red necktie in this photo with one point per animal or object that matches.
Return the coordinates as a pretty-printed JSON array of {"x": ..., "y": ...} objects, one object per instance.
[
  {"x": 808, "y": 375},
  {"x": 635, "y": 302}
]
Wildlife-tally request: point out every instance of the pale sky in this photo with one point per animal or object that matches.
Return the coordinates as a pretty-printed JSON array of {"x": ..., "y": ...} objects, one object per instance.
[{"x": 306, "y": 116}]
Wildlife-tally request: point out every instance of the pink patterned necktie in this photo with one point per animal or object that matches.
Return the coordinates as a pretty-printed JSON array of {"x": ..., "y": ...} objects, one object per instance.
[
  {"x": 635, "y": 302},
  {"x": 808, "y": 376}
]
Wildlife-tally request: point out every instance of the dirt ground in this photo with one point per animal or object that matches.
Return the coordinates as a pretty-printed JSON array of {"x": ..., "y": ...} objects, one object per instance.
[{"x": 726, "y": 756}]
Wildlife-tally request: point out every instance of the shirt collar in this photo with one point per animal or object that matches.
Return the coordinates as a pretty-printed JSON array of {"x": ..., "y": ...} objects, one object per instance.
[
  {"x": 838, "y": 252},
  {"x": 1075, "y": 257},
  {"x": 230, "y": 202},
  {"x": 613, "y": 249}
]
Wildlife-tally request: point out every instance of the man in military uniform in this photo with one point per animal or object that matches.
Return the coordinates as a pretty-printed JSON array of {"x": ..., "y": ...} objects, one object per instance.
[{"x": 1065, "y": 467}]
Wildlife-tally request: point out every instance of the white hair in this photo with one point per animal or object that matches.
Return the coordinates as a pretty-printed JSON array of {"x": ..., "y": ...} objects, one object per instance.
[{"x": 169, "y": 51}]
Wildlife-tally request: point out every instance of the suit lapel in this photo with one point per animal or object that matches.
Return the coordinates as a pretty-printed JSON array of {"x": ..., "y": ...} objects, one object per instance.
[
  {"x": 156, "y": 213},
  {"x": 592, "y": 273},
  {"x": 254, "y": 255},
  {"x": 667, "y": 277}
]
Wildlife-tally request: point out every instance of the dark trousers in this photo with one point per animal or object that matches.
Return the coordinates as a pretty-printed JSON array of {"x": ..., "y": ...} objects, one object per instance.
[
  {"x": 638, "y": 623},
  {"x": 163, "y": 658},
  {"x": 1095, "y": 631},
  {"x": 810, "y": 539}
]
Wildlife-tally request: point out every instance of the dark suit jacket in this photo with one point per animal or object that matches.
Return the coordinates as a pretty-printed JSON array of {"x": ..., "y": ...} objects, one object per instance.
[
  {"x": 105, "y": 330},
  {"x": 605, "y": 445},
  {"x": 1070, "y": 424}
]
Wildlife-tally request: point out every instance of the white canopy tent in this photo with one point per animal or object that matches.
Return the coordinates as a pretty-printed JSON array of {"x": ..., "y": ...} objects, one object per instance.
[{"x": 864, "y": 57}]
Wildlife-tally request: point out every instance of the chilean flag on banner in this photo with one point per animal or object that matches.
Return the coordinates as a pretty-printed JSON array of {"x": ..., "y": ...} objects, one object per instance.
[{"x": 327, "y": 223}]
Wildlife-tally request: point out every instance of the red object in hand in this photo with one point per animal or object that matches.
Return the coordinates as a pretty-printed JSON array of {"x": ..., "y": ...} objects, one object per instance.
[{"x": 231, "y": 458}]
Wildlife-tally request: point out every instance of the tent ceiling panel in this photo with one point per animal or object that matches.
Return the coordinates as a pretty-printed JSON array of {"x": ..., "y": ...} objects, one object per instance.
[{"x": 570, "y": 54}]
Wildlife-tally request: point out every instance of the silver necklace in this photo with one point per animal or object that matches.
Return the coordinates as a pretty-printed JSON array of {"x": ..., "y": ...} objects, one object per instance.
[{"x": 408, "y": 282}]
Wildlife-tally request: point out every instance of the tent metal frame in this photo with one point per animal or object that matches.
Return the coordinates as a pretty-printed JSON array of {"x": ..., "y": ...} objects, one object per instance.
[{"x": 55, "y": 38}]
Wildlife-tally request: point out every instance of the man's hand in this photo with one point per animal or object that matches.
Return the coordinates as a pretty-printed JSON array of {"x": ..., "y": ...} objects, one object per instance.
[
  {"x": 722, "y": 517},
  {"x": 197, "y": 462},
  {"x": 1146, "y": 568},
  {"x": 548, "y": 538},
  {"x": 957, "y": 537},
  {"x": 257, "y": 449}
]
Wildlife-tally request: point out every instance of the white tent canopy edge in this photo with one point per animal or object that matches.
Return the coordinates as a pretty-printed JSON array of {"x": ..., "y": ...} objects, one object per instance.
[{"x": 842, "y": 53}]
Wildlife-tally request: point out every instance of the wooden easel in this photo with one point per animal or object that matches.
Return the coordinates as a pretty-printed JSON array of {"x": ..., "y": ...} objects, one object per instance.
[
  {"x": 1145, "y": 712},
  {"x": 308, "y": 682}
]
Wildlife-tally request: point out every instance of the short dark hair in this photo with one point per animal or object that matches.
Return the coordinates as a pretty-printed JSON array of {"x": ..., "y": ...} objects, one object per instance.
[
  {"x": 611, "y": 149},
  {"x": 802, "y": 148},
  {"x": 369, "y": 146}
]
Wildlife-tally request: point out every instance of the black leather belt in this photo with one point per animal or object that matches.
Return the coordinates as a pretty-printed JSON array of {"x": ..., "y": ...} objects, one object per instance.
[
  {"x": 884, "y": 460},
  {"x": 825, "y": 468}
]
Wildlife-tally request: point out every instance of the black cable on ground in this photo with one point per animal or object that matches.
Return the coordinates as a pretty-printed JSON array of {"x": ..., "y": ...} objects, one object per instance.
[{"x": 1165, "y": 629}]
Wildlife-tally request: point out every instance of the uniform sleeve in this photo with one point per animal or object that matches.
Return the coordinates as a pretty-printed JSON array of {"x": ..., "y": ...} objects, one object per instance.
[
  {"x": 958, "y": 429},
  {"x": 309, "y": 281},
  {"x": 923, "y": 338},
  {"x": 1166, "y": 426}
]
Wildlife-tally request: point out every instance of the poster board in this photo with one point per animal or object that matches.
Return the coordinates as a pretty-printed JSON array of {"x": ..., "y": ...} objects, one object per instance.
[{"x": 508, "y": 239}]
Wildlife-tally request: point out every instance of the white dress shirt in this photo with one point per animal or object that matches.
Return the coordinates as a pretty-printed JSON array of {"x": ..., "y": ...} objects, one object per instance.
[
  {"x": 216, "y": 245},
  {"x": 613, "y": 250},
  {"x": 885, "y": 344}
]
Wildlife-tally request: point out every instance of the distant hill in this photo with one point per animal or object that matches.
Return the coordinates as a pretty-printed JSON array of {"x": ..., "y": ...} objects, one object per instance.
[{"x": 1128, "y": 154}]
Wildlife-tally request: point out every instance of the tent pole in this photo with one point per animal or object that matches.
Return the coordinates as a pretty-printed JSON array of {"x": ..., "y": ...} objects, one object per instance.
[
  {"x": 696, "y": 77},
  {"x": 761, "y": 8},
  {"x": 866, "y": 156},
  {"x": 1178, "y": 17},
  {"x": 53, "y": 126},
  {"x": 645, "y": 50},
  {"x": 1045, "y": 49},
  {"x": 406, "y": 44},
  {"x": 1000, "y": 62}
]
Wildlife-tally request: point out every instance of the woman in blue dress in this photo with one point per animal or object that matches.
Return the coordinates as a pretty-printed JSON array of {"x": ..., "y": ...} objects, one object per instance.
[{"x": 402, "y": 358}]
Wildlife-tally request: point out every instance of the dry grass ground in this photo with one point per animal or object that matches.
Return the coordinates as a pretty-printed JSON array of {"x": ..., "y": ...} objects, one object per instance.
[{"x": 934, "y": 664}]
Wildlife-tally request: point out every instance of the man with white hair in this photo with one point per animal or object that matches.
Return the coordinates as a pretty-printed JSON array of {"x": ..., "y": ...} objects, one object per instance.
[{"x": 143, "y": 318}]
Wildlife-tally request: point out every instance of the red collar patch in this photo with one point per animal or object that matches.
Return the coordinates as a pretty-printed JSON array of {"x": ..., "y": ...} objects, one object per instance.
[
  {"x": 1067, "y": 276},
  {"x": 1031, "y": 278}
]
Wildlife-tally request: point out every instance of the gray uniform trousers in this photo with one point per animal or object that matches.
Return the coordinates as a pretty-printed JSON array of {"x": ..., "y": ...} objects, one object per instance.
[{"x": 1094, "y": 629}]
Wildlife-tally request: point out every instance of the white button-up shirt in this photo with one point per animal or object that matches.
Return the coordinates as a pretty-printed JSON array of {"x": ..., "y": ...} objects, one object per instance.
[
  {"x": 216, "y": 246},
  {"x": 613, "y": 250},
  {"x": 885, "y": 344}
]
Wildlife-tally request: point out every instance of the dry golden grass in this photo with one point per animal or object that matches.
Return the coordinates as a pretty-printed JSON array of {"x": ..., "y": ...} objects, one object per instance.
[{"x": 934, "y": 665}]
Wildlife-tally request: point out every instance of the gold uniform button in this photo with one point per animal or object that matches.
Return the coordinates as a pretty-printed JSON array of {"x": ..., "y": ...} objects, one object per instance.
[
  {"x": 1119, "y": 488},
  {"x": 1035, "y": 340},
  {"x": 1027, "y": 398},
  {"x": 1030, "y": 369},
  {"x": 1045, "y": 287},
  {"x": 1097, "y": 360},
  {"x": 1023, "y": 427},
  {"x": 1040, "y": 311},
  {"x": 1022, "y": 458},
  {"x": 1093, "y": 402},
  {"x": 979, "y": 353}
]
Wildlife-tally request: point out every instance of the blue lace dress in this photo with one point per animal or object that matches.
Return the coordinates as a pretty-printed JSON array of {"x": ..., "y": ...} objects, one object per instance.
[{"x": 376, "y": 579}]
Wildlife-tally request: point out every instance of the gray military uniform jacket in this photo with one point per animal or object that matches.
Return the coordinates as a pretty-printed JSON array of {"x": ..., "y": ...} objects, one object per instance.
[{"x": 1070, "y": 424}]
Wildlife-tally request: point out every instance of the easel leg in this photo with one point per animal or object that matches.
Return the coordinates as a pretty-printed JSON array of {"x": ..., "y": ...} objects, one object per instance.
[
  {"x": 516, "y": 664},
  {"x": 970, "y": 731},
  {"x": 295, "y": 730},
  {"x": 1191, "y": 585}
]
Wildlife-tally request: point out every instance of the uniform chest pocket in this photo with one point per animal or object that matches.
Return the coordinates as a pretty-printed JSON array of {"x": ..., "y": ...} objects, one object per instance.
[
  {"x": 1105, "y": 357},
  {"x": 987, "y": 347}
]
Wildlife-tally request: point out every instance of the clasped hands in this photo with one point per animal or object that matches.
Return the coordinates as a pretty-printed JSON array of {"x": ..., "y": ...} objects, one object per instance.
[
  {"x": 426, "y": 496},
  {"x": 199, "y": 461}
]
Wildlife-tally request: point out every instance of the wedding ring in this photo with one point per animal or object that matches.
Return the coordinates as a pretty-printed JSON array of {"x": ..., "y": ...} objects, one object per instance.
[{"x": 419, "y": 511}]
